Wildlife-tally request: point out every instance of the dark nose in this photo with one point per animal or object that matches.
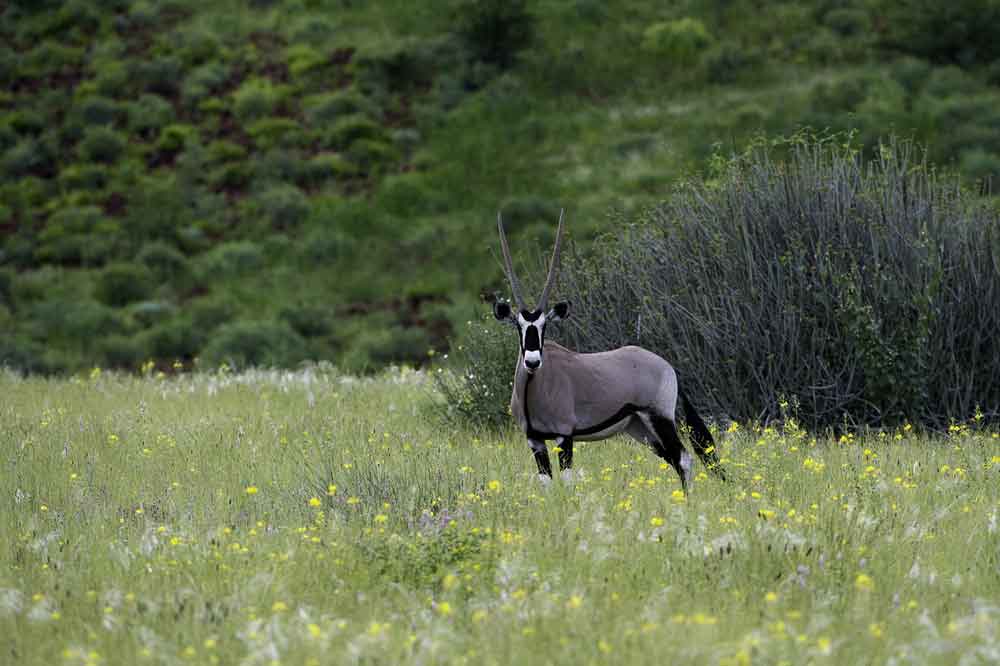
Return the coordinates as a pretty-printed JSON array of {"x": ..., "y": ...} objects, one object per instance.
[{"x": 532, "y": 365}]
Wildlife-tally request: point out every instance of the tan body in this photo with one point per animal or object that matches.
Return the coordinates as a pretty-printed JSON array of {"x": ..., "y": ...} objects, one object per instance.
[{"x": 574, "y": 393}]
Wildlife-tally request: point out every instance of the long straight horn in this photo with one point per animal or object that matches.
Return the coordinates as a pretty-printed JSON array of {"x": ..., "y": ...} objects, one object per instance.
[
  {"x": 515, "y": 286},
  {"x": 543, "y": 302}
]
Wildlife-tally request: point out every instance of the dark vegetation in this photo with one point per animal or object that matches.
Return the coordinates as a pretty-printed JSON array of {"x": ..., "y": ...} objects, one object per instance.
[
  {"x": 802, "y": 281},
  {"x": 271, "y": 181}
]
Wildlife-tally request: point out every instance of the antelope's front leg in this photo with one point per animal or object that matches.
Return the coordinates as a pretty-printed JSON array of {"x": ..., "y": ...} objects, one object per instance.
[
  {"x": 565, "y": 445},
  {"x": 541, "y": 456}
]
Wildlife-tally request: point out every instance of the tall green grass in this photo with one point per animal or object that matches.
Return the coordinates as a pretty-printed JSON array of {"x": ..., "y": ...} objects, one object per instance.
[{"x": 310, "y": 517}]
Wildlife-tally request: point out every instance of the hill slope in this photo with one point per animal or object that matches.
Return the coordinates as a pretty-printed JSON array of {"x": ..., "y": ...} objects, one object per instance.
[{"x": 266, "y": 182}]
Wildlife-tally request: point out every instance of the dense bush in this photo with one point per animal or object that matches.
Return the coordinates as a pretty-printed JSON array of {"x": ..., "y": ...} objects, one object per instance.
[
  {"x": 254, "y": 343},
  {"x": 122, "y": 283},
  {"x": 855, "y": 291},
  {"x": 232, "y": 259},
  {"x": 280, "y": 207},
  {"x": 255, "y": 99},
  {"x": 681, "y": 42},
  {"x": 963, "y": 31},
  {"x": 477, "y": 379},
  {"x": 77, "y": 235},
  {"x": 101, "y": 144},
  {"x": 495, "y": 30},
  {"x": 166, "y": 262}
]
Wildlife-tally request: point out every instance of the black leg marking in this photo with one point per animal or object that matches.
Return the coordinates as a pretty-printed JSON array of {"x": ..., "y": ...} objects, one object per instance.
[
  {"x": 566, "y": 453},
  {"x": 669, "y": 446},
  {"x": 541, "y": 457},
  {"x": 701, "y": 438}
]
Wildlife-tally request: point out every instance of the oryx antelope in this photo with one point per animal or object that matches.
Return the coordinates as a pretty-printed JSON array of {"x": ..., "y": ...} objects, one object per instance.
[{"x": 565, "y": 396}]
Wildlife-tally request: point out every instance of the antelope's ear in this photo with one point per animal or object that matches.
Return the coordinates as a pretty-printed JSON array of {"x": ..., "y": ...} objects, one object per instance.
[
  {"x": 501, "y": 311},
  {"x": 559, "y": 311}
]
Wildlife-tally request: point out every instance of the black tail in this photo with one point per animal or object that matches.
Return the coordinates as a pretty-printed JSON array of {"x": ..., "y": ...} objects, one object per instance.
[{"x": 701, "y": 438}]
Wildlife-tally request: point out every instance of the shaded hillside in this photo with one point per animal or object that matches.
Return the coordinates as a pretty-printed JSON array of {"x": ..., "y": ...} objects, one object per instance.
[{"x": 267, "y": 182}]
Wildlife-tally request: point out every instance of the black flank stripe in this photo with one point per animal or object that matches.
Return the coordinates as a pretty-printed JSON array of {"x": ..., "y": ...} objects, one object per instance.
[{"x": 626, "y": 411}]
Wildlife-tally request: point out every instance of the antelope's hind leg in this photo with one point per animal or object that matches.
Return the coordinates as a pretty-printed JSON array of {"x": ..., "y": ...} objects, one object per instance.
[
  {"x": 565, "y": 445},
  {"x": 661, "y": 435},
  {"x": 541, "y": 456}
]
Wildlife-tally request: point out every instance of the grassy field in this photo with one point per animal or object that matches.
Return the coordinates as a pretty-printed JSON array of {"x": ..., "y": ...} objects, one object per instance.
[{"x": 309, "y": 517}]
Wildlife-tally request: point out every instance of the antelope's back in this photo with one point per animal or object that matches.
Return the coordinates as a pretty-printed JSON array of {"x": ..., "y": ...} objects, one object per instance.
[{"x": 624, "y": 376}]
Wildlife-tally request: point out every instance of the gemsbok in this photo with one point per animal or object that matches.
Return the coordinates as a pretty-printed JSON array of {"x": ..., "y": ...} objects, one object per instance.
[{"x": 565, "y": 396}]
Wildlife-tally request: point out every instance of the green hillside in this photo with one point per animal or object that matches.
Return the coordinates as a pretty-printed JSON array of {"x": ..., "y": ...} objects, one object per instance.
[{"x": 272, "y": 181}]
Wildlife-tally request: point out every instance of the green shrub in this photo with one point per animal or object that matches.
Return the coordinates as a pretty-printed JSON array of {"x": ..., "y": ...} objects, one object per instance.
[
  {"x": 372, "y": 155},
  {"x": 911, "y": 73},
  {"x": 174, "y": 137},
  {"x": 961, "y": 32},
  {"x": 50, "y": 58},
  {"x": 326, "y": 167},
  {"x": 255, "y": 99},
  {"x": 149, "y": 313},
  {"x": 164, "y": 261},
  {"x": 388, "y": 344},
  {"x": 27, "y": 121},
  {"x": 232, "y": 259},
  {"x": 71, "y": 323},
  {"x": 848, "y": 21},
  {"x": 23, "y": 354},
  {"x": 982, "y": 166},
  {"x": 327, "y": 108},
  {"x": 495, "y": 31},
  {"x": 34, "y": 285},
  {"x": 682, "y": 41},
  {"x": 408, "y": 195},
  {"x": 254, "y": 343},
  {"x": 98, "y": 110},
  {"x": 149, "y": 113},
  {"x": 209, "y": 312},
  {"x": 171, "y": 208},
  {"x": 225, "y": 151},
  {"x": 8, "y": 135},
  {"x": 204, "y": 81},
  {"x": 280, "y": 207},
  {"x": 521, "y": 212},
  {"x": 172, "y": 340},
  {"x": 306, "y": 62},
  {"x": 728, "y": 61},
  {"x": 111, "y": 79},
  {"x": 77, "y": 235},
  {"x": 9, "y": 62},
  {"x": 161, "y": 75},
  {"x": 349, "y": 129},
  {"x": 102, "y": 144},
  {"x": 276, "y": 133},
  {"x": 123, "y": 283},
  {"x": 6, "y": 286},
  {"x": 28, "y": 156},
  {"x": 949, "y": 81},
  {"x": 405, "y": 65},
  {"x": 325, "y": 246},
  {"x": 313, "y": 29},
  {"x": 275, "y": 167},
  {"x": 194, "y": 46},
  {"x": 477, "y": 378},
  {"x": 309, "y": 321},
  {"x": 89, "y": 177},
  {"x": 121, "y": 351}
]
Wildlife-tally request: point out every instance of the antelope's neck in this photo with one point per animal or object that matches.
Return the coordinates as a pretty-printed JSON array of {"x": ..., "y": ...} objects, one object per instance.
[{"x": 519, "y": 395}]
